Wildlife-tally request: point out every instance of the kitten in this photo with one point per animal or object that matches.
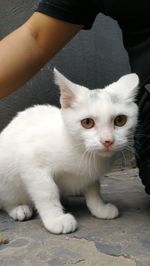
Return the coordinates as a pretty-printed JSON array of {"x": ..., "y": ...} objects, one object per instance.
[{"x": 45, "y": 151}]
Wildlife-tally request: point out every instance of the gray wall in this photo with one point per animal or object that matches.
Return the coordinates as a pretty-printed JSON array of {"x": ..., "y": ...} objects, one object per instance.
[{"x": 93, "y": 58}]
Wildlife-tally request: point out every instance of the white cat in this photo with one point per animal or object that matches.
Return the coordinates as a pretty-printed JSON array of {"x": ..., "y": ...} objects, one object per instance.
[{"x": 46, "y": 151}]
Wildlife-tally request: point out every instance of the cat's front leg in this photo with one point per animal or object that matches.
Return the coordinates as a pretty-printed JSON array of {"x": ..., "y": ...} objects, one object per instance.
[
  {"x": 96, "y": 205},
  {"x": 45, "y": 195}
]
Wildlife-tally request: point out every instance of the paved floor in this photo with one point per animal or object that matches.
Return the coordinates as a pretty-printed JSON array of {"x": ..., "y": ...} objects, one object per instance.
[{"x": 124, "y": 241}]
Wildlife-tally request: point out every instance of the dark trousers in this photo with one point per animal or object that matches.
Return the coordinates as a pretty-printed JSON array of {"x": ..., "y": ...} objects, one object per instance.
[
  {"x": 142, "y": 138},
  {"x": 140, "y": 63}
]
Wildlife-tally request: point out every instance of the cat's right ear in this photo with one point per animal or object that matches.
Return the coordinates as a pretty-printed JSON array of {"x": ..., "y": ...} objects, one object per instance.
[{"x": 69, "y": 91}]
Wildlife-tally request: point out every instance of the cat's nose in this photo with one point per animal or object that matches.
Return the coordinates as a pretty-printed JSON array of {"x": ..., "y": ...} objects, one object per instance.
[{"x": 107, "y": 143}]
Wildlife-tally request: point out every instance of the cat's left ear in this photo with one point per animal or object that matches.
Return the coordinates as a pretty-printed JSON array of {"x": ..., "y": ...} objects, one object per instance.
[
  {"x": 126, "y": 87},
  {"x": 70, "y": 93}
]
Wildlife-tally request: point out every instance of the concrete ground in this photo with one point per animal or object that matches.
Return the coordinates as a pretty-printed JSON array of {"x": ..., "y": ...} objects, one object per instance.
[{"x": 124, "y": 241}]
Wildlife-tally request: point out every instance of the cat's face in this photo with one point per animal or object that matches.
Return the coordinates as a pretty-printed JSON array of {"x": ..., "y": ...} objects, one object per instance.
[{"x": 100, "y": 120}]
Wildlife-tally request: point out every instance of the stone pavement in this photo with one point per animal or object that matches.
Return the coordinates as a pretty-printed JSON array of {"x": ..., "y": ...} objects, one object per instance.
[{"x": 124, "y": 241}]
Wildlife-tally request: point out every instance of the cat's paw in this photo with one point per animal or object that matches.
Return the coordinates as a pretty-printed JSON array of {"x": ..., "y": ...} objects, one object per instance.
[
  {"x": 21, "y": 213},
  {"x": 62, "y": 224},
  {"x": 110, "y": 211},
  {"x": 107, "y": 211}
]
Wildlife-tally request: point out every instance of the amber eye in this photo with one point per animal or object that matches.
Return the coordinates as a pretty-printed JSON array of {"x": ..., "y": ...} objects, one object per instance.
[
  {"x": 87, "y": 123},
  {"x": 120, "y": 120}
]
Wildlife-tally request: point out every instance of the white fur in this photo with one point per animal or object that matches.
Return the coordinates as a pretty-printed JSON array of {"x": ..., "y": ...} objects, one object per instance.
[{"x": 45, "y": 151}]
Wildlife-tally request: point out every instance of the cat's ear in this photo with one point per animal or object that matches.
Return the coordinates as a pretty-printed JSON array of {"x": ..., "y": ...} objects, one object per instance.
[
  {"x": 70, "y": 92},
  {"x": 126, "y": 87},
  {"x": 130, "y": 84}
]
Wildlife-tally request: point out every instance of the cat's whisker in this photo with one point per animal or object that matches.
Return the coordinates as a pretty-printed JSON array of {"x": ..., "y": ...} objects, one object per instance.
[
  {"x": 90, "y": 173},
  {"x": 144, "y": 150},
  {"x": 94, "y": 159},
  {"x": 130, "y": 146},
  {"x": 78, "y": 145},
  {"x": 82, "y": 158},
  {"x": 124, "y": 159},
  {"x": 89, "y": 162},
  {"x": 142, "y": 135},
  {"x": 129, "y": 150},
  {"x": 85, "y": 153}
]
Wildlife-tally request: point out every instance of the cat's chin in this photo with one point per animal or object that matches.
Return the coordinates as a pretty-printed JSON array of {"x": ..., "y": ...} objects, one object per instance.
[{"x": 105, "y": 154}]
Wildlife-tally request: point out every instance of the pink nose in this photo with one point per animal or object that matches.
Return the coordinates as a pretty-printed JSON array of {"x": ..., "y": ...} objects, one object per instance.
[{"x": 107, "y": 143}]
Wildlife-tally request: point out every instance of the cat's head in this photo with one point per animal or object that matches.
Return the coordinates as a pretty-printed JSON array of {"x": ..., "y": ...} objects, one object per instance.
[{"x": 100, "y": 120}]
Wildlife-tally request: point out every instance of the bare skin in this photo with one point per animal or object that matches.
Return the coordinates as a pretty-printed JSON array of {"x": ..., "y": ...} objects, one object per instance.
[{"x": 26, "y": 50}]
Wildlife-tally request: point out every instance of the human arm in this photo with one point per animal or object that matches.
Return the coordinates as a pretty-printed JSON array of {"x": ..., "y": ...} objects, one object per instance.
[{"x": 26, "y": 50}]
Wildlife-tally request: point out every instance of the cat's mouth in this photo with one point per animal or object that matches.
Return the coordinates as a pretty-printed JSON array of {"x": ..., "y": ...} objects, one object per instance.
[
  {"x": 107, "y": 152},
  {"x": 104, "y": 152}
]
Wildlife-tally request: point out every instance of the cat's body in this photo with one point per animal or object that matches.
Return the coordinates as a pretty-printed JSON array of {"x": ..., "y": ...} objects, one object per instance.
[
  {"x": 36, "y": 142},
  {"x": 44, "y": 154}
]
